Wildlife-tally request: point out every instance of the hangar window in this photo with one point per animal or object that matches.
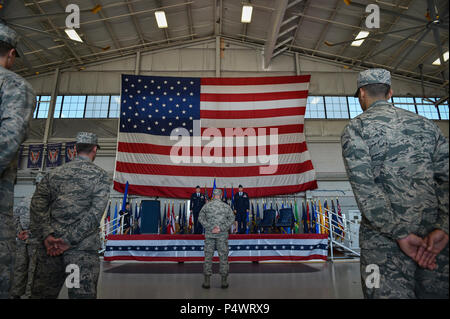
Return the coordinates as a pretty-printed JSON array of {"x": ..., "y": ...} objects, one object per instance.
[
  {"x": 59, "y": 101},
  {"x": 406, "y": 103},
  {"x": 426, "y": 108},
  {"x": 114, "y": 106},
  {"x": 97, "y": 106},
  {"x": 42, "y": 106},
  {"x": 315, "y": 107},
  {"x": 353, "y": 106},
  {"x": 73, "y": 106},
  {"x": 443, "y": 111},
  {"x": 336, "y": 107}
]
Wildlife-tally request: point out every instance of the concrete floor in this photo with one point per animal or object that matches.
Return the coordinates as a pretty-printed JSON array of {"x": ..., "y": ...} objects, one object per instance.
[{"x": 308, "y": 280}]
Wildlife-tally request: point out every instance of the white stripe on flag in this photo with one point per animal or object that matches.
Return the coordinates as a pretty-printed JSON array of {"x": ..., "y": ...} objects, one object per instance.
[
  {"x": 251, "y": 106},
  {"x": 246, "y": 89},
  {"x": 188, "y": 181}
]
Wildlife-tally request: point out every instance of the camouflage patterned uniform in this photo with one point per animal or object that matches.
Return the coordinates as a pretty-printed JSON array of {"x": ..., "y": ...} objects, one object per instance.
[
  {"x": 24, "y": 251},
  {"x": 397, "y": 163},
  {"x": 17, "y": 103},
  {"x": 216, "y": 213},
  {"x": 69, "y": 203}
]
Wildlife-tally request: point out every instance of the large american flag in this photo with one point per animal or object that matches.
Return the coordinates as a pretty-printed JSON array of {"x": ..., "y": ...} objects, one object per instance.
[{"x": 154, "y": 107}]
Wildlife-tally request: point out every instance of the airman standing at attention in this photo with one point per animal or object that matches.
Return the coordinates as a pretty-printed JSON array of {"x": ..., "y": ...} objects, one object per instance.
[
  {"x": 217, "y": 218},
  {"x": 397, "y": 164},
  {"x": 17, "y": 103},
  {"x": 66, "y": 210}
]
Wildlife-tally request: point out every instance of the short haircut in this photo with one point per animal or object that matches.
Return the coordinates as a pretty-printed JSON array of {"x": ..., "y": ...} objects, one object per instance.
[
  {"x": 377, "y": 90},
  {"x": 5, "y": 48},
  {"x": 84, "y": 148}
]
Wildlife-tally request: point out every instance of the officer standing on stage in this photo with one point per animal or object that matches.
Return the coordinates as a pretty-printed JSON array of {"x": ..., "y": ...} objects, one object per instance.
[
  {"x": 66, "y": 210},
  {"x": 241, "y": 208},
  {"x": 197, "y": 202},
  {"x": 17, "y": 103},
  {"x": 217, "y": 218},
  {"x": 126, "y": 219},
  {"x": 397, "y": 164}
]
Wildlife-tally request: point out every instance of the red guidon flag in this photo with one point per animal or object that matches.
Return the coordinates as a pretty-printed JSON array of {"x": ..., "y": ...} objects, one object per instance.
[{"x": 177, "y": 132}]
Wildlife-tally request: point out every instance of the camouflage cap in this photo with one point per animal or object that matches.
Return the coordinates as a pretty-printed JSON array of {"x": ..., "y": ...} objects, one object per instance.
[
  {"x": 9, "y": 36},
  {"x": 373, "y": 76},
  {"x": 217, "y": 191},
  {"x": 87, "y": 138}
]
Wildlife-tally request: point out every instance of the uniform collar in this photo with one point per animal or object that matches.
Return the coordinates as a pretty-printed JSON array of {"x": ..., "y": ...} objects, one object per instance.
[
  {"x": 379, "y": 102},
  {"x": 83, "y": 158}
]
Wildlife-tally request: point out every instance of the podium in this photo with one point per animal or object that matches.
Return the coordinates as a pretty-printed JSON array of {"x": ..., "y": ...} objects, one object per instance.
[{"x": 150, "y": 216}]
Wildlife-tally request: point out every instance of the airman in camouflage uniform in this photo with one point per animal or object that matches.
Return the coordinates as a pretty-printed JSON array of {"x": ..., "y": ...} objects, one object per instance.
[
  {"x": 216, "y": 218},
  {"x": 65, "y": 215},
  {"x": 398, "y": 165},
  {"x": 26, "y": 247},
  {"x": 17, "y": 103}
]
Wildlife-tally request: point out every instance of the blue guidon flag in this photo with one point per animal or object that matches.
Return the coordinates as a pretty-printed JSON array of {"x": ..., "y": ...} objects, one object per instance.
[
  {"x": 53, "y": 155},
  {"x": 35, "y": 155},
  {"x": 178, "y": 132}
]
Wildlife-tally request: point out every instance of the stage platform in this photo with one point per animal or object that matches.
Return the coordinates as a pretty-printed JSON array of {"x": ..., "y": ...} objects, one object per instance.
[{"x": 184, "y": 248}]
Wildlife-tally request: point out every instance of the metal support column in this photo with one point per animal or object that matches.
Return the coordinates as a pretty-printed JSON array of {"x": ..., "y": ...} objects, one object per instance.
[
  {"x": 218, "y": 66},
  {"x": 51, "y": 111},
  {"x": 137, "y": 68}
]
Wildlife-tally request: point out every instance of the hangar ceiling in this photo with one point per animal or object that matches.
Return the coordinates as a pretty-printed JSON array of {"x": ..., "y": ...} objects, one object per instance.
[{"x": 410, "y": 37}]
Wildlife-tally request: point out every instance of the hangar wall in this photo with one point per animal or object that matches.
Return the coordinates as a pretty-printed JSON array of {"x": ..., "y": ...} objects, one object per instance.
[{"x": 322, "y": 136}]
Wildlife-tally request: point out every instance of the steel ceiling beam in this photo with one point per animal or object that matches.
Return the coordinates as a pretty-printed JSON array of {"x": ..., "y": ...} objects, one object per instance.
[
  {"x": 325, "y": 29},
  {"x": 414, "y": 76},
  {"x": 130, "y": 50},
  {"x": 275, "y": 24},
  {"x": 306, "y": 6},
  {"x": 436, "y": 33},
  {"x": 189, "y": 16},
  {"x": 405, "y": 56},
  {"x": 66, "y": 43},
  {"x": 350, "y": 26},
  {"x": 37, "y": 44},
  {"x": 394, "y": 13},
  {"x": 370, "y": 53},
  {"x": 136, "y": 25},
  {"x": 420, "y": 60},
  {"x": 107, "y": 25},
  {"x": 63, "y": 4}
]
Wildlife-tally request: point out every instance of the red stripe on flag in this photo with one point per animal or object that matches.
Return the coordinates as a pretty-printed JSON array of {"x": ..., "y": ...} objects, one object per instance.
[
  {"x": 248, "y": 97},
  {"x": 186, "y": 192},
  {"x": 165, "y": 149},
  {"x": 256, "y": 80},
  {"x": 235, "y": 171},
  {"x": 252, "y": 114}
]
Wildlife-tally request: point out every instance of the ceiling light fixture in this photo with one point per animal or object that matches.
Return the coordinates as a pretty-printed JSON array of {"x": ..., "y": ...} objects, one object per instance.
[
  {"x": 161, "y": 19},
  {"x": 361, "y": 34},
  {"x": 438, "y": 61},
  {"x": 72, "y": 34},
  {"x": 246, "y": 14}
]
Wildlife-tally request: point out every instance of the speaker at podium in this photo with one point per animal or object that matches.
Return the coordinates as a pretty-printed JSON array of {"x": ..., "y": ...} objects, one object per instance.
[{"x": 150, "y": 215}]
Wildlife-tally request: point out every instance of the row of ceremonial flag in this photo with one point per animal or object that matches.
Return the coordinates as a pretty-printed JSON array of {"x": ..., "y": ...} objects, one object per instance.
[
  {"x": 53, "y": 156},
  {"x": 310, "y": 217}
]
